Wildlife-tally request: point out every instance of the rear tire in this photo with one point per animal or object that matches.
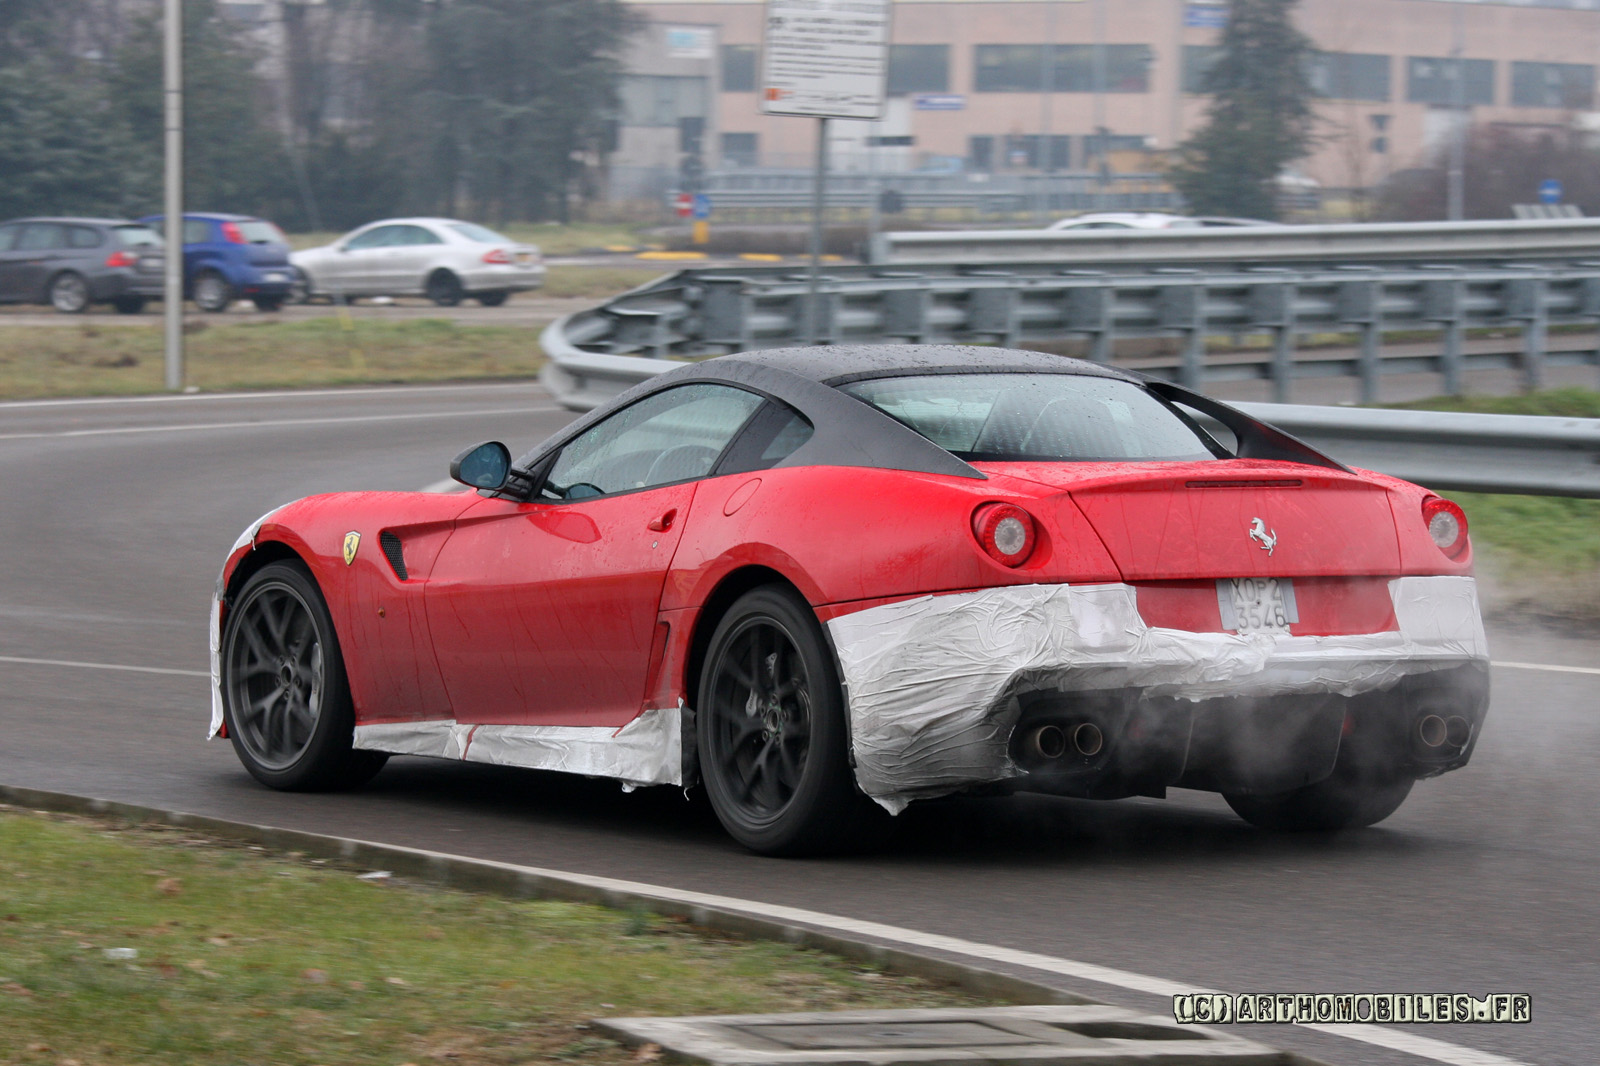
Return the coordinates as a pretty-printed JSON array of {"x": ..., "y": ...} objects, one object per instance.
[
  {"x": 212, "y": 292},
  {"x": 285, "y": 697},
  {"x": 444, "y": 288},
  {"x": 69, "y": 293},
  {"x": 770, "y": 728},
  {"x": 1346, "y": 799},
  {"x": 128, "y": 305},
  {"x": 491, "y": 299}
]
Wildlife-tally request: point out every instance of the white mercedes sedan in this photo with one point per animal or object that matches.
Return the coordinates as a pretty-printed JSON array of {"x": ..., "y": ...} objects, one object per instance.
[{"x": 444, "y": 259}]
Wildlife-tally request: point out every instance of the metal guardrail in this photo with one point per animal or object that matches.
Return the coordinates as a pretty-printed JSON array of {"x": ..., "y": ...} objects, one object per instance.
[
  {"x": 1492, "y": 453},
  {"x": 996, "y": 194},
  {"x": 1379, "y": 243},
  {"x": 710, "y": 311}
]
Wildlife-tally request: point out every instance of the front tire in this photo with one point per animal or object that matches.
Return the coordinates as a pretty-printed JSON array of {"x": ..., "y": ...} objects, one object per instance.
[
  {"x": 444, "y": 288},
  {"x": 491, "y": 299},
  {"x": 1349, "y": 798},
  {"x": 69, "y": 293},
  {"x": 212, "y": 292},
  {"x": 285, "y": 697},
  {"x": 771, "y": 729}
]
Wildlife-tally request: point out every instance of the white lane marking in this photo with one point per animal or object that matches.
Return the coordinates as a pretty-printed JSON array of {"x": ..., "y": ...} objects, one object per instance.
[
  {"x": 279, "y": 394},
  {"x": 269, "y": 423},
  {"x": 1394, "y": 1039},
  {"x": 1546, "y": 666},
  {"x": 103, "y": 666}
]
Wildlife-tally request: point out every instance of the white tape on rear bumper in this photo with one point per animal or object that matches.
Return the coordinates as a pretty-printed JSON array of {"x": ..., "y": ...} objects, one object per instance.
[{"x": 930, "y": 681}]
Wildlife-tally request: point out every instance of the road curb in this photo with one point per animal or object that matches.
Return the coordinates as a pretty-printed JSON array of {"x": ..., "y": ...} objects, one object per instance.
[{"x": 506, "y": 879}]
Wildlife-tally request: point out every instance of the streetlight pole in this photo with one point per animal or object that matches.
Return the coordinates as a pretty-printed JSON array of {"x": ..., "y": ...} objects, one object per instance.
[
  {"x": 1455, "y": 192},
  {"x": 1099, "y": 74},
  {"x": 1047, "y": 91},
  {"x": 172, "y": 107}
]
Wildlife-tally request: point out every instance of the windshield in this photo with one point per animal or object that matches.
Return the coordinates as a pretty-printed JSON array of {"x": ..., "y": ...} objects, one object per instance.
[
  {"x": 474, "y": 232},
  {"x": 138, "y": 237},
  {"x": 1037, "y": 417}
]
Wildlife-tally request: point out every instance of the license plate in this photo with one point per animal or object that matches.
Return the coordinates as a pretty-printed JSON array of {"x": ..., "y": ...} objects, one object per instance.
[
  {"x": 277, "y": 277},
  {"x": 523, "y": 257},
  {"x": 1257, "y": 604}
]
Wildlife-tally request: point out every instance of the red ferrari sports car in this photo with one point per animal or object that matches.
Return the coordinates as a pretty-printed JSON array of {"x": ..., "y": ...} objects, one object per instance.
[{"x": 820, "y": 579}]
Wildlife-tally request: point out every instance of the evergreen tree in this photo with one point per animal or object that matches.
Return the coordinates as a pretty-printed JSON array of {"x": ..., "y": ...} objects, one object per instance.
[{"x": 1261, "y": 115}]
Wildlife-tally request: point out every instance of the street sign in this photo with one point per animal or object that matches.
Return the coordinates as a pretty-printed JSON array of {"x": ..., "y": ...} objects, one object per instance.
[
  {"x": 1550, "y": 191},
  {"x": 825, "y": 58},
  {"x": 700, "y": 206},
  {"x": 683, "y": 204}
]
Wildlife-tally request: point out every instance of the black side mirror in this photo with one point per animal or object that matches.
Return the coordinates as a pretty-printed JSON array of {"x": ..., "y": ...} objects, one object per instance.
[{"x": 484, "y": 466}]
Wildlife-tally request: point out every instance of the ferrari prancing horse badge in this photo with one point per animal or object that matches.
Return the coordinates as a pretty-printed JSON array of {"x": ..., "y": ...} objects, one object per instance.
[{"x": 352, "y": 541}]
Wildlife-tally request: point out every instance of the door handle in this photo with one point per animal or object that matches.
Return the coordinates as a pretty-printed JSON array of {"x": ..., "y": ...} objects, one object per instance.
[{"x": 664, "y": 522}]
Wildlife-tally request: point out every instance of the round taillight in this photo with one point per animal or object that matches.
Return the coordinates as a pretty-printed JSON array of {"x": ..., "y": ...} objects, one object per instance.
[
  {"x": 1005, "y": 531},
  {"x": 1447, "y": 525}
]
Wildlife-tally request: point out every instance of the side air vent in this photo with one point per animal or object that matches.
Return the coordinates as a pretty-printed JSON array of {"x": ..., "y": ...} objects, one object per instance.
[{"x": 392, "y": 552}]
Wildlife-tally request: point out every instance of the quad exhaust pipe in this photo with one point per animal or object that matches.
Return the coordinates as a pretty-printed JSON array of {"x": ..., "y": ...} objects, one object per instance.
[
  {"x": 1438, "y": 731},
  {"x": 1051, "y": 742}
]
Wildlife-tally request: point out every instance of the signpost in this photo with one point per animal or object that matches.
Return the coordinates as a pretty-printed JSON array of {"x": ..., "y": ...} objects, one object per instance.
[
  {"x": 700, "y": 211},
  {"x": 824, "y": 59},
  {"x": 1550, "y": 191}
]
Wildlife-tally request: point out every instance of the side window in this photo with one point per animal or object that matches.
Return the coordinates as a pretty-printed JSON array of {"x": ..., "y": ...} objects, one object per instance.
[
  {"x": 674, "y": 435},
  {"x": 42, "y": 237},
  {"x": 381, "y": 237},
  {"x": 772, "y": 436},
  {"x": 196, "y": 231},
  {"x": 418, "y": 235},
  {"x": 83, "y": 237},
  {"x": 8, "y": 237}
]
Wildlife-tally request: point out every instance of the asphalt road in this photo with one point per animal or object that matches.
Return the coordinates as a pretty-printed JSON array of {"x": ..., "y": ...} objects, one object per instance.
[{"x": 114, "y": 516}]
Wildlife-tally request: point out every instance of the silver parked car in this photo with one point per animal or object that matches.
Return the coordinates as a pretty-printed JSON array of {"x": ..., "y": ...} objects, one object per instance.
[{"x": 443, "y": 259}]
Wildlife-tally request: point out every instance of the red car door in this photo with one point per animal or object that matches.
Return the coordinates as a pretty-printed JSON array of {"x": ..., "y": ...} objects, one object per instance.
[{"x": 544, "y": 612}]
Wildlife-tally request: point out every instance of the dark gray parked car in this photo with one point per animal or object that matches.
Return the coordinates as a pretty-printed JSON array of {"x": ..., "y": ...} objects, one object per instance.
[{"x": 71, "y": 263}]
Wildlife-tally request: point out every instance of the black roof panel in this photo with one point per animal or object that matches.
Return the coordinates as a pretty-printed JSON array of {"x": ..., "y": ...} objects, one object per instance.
[{"x": 837, "y": 363}]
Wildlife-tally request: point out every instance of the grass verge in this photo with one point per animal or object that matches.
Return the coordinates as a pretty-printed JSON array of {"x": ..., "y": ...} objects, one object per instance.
[
  {"x": 1537, "y": 556},
  {"x": 141, "y": 945},
  {"x": 94, "y": 360},
  {"x": 599, "y": 283}
]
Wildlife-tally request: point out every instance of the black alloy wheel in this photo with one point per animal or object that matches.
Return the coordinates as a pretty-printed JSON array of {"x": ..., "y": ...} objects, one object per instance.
[
  {"x": 285, "y": 698},
  {"x": 69, "y": 293},
  {"x": 771, "y": 730},
  {"x": 444, "y": 288},
  {"x": 1349, "y": 798}
]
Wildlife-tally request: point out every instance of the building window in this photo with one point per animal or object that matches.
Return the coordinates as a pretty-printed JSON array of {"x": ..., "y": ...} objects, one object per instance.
[
  {"x": 656, "y": 100},
  {"x": 980, "y": 152},
  {"x": 739, "y": 68},
  {"x": 740, "y": 149},
  {"x": 1019, "y": 68},
  {"x": 1432, "y": 80},
  {"x": 1198, "y": 59},
  {"x": 919, "y": 68},
  {"x": 1349, "y": 75},
  {"x": 1564, "y": 85}
]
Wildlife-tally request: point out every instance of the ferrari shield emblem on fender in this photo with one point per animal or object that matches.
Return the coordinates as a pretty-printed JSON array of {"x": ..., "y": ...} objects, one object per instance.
[
  {"x": 352, "y": 541},
  {"x": 1268, "y": 539}
]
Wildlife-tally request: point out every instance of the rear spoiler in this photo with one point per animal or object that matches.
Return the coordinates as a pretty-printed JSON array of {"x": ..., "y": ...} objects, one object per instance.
[{"x": 1256, "y": 439}]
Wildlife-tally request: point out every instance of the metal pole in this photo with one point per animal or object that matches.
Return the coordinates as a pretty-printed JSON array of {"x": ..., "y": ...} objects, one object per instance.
[
  {"x": 818, "y": 198},
  {"x": 172, "y": 295},
  {"x": 1047, "y": 91},
  {"x": 1099, "y": 73},
  {"x": 1458, "y": 141}
]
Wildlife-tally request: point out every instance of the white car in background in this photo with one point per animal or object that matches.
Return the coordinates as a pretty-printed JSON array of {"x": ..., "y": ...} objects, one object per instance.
[
  {"x": 1099, "y": 220},
  {"x": 443, "y": 259}
]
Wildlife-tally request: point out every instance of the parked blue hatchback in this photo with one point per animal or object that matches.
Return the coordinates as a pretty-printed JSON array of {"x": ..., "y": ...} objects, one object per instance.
[{"x": 232, "y": 257}]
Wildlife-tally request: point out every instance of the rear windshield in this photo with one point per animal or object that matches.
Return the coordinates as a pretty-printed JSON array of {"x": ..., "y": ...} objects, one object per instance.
[
  {"x": 474, "y": 232},
  {"x": 258, "y": 232},
  {"x": 138, "y": 237},
  {"x": 1037, "y": 417}
]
